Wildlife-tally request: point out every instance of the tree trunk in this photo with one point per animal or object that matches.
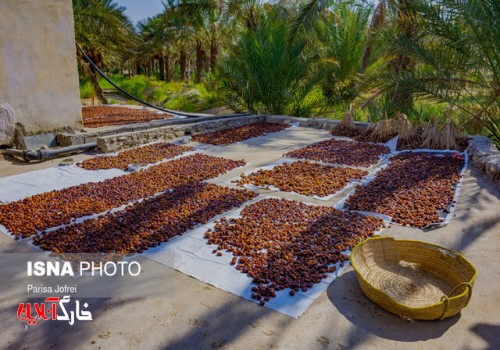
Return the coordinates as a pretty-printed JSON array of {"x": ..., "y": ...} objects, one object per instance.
[
  {"x": 199, "y": 61},
  {"x": 403, "y": 101},
  {"x": 161, "y": 63},
  {"x": 93, "y": 75},
  {"x": 378, "y": 19},
  {"x": 206, "y": 63},
  {"x": 168, "y": 75},
  {"x": 214, "y": 52},
  {"x": 95, "y": 84},
  {"x": 182, "y": 63}
]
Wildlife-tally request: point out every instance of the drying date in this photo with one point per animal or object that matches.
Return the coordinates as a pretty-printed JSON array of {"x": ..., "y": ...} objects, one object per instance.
[
  {"x": 335, "y": 151},
  {"x": 284, "y": 244},
  {"x": 411, "y": 189}
]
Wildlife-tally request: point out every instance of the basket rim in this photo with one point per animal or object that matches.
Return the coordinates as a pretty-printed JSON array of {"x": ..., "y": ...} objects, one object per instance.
[{"x": 360, "y": 275}]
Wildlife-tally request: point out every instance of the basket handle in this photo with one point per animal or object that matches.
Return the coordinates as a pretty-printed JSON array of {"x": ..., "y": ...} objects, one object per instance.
[{"x": 446, "y": 299}]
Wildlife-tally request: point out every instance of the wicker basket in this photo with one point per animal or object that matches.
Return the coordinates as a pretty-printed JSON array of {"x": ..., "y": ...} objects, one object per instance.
[{"x": 413, "y": 279}]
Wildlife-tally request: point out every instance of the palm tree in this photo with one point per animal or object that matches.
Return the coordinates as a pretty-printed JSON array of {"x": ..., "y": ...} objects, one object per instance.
[
  {"x": 401, "y": 14},
  {"x": 377, "y": 21},
  {"x": 180, "y": 31},
  {"x": 342, "y": 34},
  {"x": 210, "y": 20},
  {"x": 457, "y": 51},
  {"x": 265, "y": 72},
  {"x": 103, "y": 31},
  {"x": 154, "y": 45},
  {"x": 307, "y": 18}
]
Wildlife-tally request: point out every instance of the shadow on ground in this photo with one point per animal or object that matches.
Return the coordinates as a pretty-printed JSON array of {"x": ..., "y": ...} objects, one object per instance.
[
  {"x": 490, "y": 333},
  {"x": 348, "y": 298}
]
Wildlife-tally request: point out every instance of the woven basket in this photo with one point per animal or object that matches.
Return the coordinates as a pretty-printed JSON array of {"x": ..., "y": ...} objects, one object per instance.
[{"x": 413, "y": 279}]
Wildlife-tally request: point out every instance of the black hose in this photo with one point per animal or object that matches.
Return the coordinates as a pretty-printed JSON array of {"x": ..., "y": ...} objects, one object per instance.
[
  {"x": 43, "y": 154},
  {"x": 179, "y": 113}
]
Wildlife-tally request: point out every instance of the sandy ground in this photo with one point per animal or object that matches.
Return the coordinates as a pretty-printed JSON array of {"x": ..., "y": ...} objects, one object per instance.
[{"x": 199, "y": 316}]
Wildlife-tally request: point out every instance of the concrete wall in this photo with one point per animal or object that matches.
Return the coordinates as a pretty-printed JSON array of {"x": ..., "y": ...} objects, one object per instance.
[
  {"x": 485, "y": 156},
  {"x": 115, "y": 142},
  {"x": 38, "y": 68}
]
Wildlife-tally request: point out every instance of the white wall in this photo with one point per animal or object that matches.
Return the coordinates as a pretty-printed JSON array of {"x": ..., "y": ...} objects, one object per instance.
[{"x": 38, "y": 68}]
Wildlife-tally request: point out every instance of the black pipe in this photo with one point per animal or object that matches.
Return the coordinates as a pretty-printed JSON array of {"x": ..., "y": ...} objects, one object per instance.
[{"x": 44, "y": 154}]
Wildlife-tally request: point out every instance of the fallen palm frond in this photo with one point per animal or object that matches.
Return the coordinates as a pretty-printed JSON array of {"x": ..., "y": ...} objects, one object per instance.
[
  {"x": 365, "y": 135},
  {"x": 347, "y": 127},
  {"x": 432, "y": 135},
  {"x": 409, "y": 135},
  {"x": 413, "y": 136},
  {"x": 451, "y": 134},
  {"x": 382, "y": 131}
]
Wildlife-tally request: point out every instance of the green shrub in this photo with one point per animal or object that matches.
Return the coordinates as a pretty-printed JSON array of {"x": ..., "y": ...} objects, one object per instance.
[
  {"x": 189, "y": 97},
  {"x": 86, "y": 89},
  {"x": 268, "y": 71}
]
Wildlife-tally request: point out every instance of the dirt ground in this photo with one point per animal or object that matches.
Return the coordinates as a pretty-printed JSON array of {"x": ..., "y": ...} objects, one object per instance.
[{"x": 199, "y": 316}]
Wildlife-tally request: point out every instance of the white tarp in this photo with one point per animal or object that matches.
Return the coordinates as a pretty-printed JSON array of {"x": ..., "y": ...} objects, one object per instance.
[
  {"x": 391, "y": 144},
  {"x": 193, "y": 257},
  {"x": 282, "y": 161},
  {"x": 13, "y": 188},
  {"x": 446, "y": 217},
  {"x": 16, "y": 187}
]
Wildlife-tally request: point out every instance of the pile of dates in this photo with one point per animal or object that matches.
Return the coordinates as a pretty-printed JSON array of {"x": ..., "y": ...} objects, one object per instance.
[
  {"x": 309, "y": 179},
  {"x": 25, "y": 217},
  {"x": 240, "y": 133},
  {"x": 142, "y": 155},
  {"x": 335, "y": 151},
  {"x": 283, "y": 244},
  {"x": 145, "y": 224},
  {"x": 97, "y": 116},
  {"x": 411, "y": 189}
]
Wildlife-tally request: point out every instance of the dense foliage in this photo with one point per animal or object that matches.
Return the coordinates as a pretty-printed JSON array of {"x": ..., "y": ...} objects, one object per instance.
[{"x": 430, "y": 59}]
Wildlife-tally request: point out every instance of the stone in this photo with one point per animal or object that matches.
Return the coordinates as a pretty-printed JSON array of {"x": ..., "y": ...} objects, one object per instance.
[
  {"x": 184, "y": 140},
  {"x": 485, "y": 156},
  {"x": 133, "y": 167},
  {"x": 7, "y": 124},
  {"x": 38, "y": 141},
  {"x": 67, "y": 162}
]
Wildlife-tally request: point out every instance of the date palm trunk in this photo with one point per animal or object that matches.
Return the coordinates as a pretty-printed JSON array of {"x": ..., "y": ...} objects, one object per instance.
[
  {"x": 214, "y": 52},
  {"x": 199, "y": 61},
  {"x": 168, "y": 72},
  {"x": 182, "y": 64},
  {"x": 161, "y": 63},
  {"x": 403, "y": 101},
  {"x": 94, "y": 79}
]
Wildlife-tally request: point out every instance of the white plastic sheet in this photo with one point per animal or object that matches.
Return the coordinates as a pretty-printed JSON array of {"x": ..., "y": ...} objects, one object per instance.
[
  {"x": 205, "y": 146},
  {"x": 193, "y": 257},
  {"x": 446, "y": 217},
  {"x": 13, "y": 188},
  {"x": 281, "y": 161},
  {"x": 391, "y": 144},
  {"x": 16, "y": 187}
]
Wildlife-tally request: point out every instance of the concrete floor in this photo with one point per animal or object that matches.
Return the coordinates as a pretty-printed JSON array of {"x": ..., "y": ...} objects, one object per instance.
[{"x": 199, "y": 316}]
